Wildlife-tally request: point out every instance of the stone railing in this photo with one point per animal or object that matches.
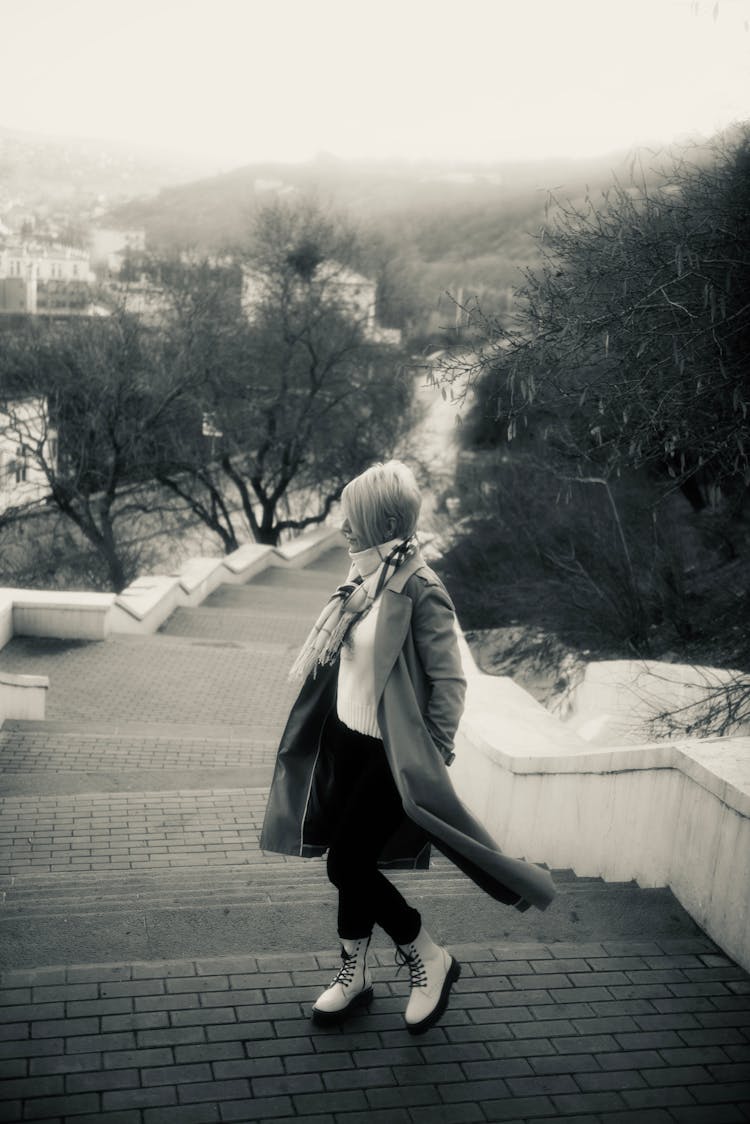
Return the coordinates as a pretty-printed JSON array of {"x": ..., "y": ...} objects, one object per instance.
[
  {"x": 141, "y": 608},
  {"x": 671, "y": 813}
]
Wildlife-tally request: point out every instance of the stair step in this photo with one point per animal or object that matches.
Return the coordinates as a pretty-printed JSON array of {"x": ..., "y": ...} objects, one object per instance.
[
  {"x": 165, "y": 679},
  {"x": 276, "y": 577},
  {"x": 232, "y": 625},
  {"x": 24, "y": 750},
  {"x": 196, "y": 929},
  {"x": 267, "y": 600}
]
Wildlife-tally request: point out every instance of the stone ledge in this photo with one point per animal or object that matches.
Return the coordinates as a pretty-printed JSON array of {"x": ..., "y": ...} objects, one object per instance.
[
  {"x": 22, "y": 696},
  {"x": 145, "y": 604}
]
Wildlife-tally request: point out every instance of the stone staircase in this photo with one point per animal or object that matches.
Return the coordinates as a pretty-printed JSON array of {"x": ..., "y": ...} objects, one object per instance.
[
  {"x": 157, "y": 968},
  {"x": 137, "y": 836}
]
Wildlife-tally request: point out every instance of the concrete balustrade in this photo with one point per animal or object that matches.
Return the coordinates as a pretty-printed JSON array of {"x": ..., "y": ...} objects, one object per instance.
[
  {"x": 23, "y": 697},
  {"x": 671, "y": 814},
  {"x": 73, "y": 616},
  {"x": 147, "y": 602},
  {"x": 624, "y": 701}
]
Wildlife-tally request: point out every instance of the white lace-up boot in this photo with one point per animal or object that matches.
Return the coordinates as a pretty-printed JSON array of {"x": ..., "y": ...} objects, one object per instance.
[
  {"x": 432, "y": 972},
  {"x": 350, "y": 988}
]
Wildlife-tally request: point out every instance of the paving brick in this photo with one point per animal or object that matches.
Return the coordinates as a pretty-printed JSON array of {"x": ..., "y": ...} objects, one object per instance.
[
  {"x": 123, "y": 1059},
  {"x": 316, "y": 1063},
  {"x": 54, "y": 993},
  {"x": 175, "y": 1074},
  {"x": 182, "y": 1114},
  {"x": 480, "y": 1090},
  {"x": 31, "y": 1087},
  {"x": 541, "y": 1028},
  {"x": 165, "y": 1002},
  {"x": 136, "y": 1099},
  {"x": 140, "y": 1020},
  {"x": 83, "y": 1007},
  {"x": 612, "y": 1079},
  {"x": 568, "y": 1103},
  {"x": 218, "y": 1091},
  {"x": 262, "y": 1108},
  {"x": 359, "y": 1078},
  {"x": 346, "y": 1100},
  {"x": 565, "y": 1063},
  {"x": 713, "y": 1036},
  {"x": 720, "y": 1114},
  {"x": 171, "y": 1036},
  {"x": 693, "y": 987},
  {"x": 403, "y": 1096},
  {"x": 583, "y": 1043},
  {"x": 29, "y": 1012},
  {"x": 659, "y": 1095},
  {"x": 486, "y": 1032},
  {"x": 64, "y": 1028},
  {"x": 13, "y": 1067},
  {"x": 517, "y": 1109},
  {"x": 677, "y": 1075},
  {"x": 131, "y": 1116},
  {"x": 27, "y": 1048},
  {"x": 378, "y": 1116},
  {"x": 714, "y": 1093},
  {"x": 541, "y": 1083},
  {"x": 492, "y": 1068},
  {"x": 447, "y": 1114},
  {"x": 580, "y": 995},
  {"x": 419, "y": 1074},
  {"x": 83, "y": 1081},
  {"x": 73, "y": 1105}
]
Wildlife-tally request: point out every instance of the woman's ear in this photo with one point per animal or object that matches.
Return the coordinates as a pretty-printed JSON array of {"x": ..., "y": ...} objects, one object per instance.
[{"x": 390, "y": 526}]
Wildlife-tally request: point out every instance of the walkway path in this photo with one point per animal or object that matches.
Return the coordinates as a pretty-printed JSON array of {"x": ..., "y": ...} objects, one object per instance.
[{"x": 158, "y": 967}]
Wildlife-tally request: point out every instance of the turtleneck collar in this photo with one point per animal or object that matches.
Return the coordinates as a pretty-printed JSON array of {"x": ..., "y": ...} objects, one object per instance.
[{"x": 367, "y": 561}]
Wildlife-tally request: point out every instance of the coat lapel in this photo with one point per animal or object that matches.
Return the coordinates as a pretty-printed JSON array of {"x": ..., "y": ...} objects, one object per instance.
[{"x": 394, "y": 618}]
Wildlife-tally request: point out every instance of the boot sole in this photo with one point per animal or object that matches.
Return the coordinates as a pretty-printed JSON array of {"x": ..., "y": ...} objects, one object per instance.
[
  {"x": 436, "y": 1013},
  {"x": 328, "y": 1018}
]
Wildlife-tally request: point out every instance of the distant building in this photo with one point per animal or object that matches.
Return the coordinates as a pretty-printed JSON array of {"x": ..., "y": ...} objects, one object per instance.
[
  {"x": 341, "y": 287},
  {"x": 44, "y": 277},
  {"x": 24, "y": 426}
]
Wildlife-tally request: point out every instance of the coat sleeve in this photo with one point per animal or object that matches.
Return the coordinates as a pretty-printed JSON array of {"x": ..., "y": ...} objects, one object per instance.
[{"x": 434, "y": 632}]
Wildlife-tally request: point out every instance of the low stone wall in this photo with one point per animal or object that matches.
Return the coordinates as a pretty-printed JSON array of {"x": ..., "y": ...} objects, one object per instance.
[
  {"x": 620, "y": 702},
  {"x": 147, "y": 602},
  {"x": 671, "y": 814},
  {"x": 141, "y": 608}
]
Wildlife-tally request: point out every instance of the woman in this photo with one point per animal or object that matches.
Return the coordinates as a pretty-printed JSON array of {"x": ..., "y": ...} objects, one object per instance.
[{"x": 361, "y": 770}]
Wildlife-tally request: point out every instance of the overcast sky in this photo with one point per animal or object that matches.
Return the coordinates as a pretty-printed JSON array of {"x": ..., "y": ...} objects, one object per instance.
[{"x": 246, "y": 80}]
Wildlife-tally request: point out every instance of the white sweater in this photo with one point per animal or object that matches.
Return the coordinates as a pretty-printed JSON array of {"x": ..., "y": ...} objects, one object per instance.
[{"x": 356, "y": 703}]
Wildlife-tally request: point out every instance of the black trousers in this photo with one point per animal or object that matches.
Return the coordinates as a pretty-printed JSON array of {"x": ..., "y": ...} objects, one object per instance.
[{"x": 366, "y": 810}]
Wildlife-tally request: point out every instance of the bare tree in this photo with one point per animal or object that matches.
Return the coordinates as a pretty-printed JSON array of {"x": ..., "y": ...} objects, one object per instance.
[
  {"x": 88, "y": 400},
  {"x": 296, "y": 391},
  {"x": 629, "y": 345}
]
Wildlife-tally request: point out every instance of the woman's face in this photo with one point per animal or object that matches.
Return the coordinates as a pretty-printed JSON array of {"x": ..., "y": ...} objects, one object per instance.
[{"x": 354, "y": 542}]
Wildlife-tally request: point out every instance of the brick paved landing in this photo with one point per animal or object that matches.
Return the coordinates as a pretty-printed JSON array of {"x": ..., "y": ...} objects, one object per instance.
[{"x": 643, "y": 1031}]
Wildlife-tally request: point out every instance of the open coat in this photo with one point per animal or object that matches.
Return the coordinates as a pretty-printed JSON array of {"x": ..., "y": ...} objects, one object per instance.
[{"x": 420, "y": 689}]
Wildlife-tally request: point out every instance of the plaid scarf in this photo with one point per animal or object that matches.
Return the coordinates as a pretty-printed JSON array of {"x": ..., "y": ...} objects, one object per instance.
[{"x": 347, "y": 605}]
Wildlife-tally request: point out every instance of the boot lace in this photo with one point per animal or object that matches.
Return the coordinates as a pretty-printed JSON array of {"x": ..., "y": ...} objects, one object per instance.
[
  {"x": 413, "y": 961},
  {"x": 345, "y": 974}
]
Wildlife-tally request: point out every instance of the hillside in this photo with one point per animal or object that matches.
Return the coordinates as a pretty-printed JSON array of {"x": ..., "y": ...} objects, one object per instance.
[
  {"x": 39, "y": 170},
  {"x": 427, "y": 228}
]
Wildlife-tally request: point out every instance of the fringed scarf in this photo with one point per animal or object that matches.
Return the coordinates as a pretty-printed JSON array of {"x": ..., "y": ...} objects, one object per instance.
[{"x": 350, "y": 603}]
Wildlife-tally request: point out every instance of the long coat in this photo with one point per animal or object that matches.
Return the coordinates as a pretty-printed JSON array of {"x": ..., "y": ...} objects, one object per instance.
[{"x": 420, "y": 689}]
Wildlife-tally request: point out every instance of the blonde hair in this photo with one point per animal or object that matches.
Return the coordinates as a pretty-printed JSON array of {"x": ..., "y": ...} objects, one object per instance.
[{"x": 381, "y": 493}]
